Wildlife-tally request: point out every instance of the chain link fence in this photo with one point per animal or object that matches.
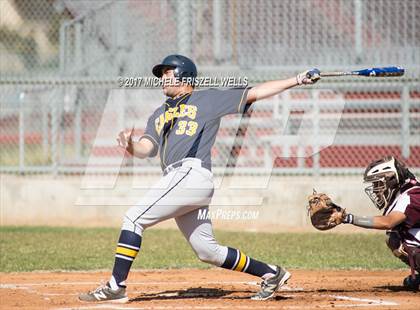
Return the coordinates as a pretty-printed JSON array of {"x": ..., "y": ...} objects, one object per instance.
[
  {"x": 61, "y": 107},
  {"x": 29, "y": 37},
  {"x": 65, "y": 126},
  {"x": 259, "y": 38}
]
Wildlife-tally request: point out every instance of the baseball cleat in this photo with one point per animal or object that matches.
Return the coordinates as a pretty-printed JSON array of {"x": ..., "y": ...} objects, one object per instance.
[
  {"x": 411, "y": 284},
  {"x": 271, "y": 285},
  {"x": 105, "y": 293}
]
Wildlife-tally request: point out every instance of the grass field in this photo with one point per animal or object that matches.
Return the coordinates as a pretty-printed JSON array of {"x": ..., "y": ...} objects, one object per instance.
[{"x": 46, "y": 248}]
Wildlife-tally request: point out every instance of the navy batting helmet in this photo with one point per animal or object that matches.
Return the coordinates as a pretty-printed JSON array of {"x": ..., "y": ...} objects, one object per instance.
[{"x": 183, "y": 67}]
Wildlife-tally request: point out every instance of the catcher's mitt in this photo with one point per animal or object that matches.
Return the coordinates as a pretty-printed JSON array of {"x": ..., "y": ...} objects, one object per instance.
[{"x": 324, "y": 213}]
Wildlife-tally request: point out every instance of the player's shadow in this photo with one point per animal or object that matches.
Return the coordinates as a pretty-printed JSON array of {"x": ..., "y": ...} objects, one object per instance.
[
  {"x": 199, "y": 292},
  {"x": 394, "y": 288}
]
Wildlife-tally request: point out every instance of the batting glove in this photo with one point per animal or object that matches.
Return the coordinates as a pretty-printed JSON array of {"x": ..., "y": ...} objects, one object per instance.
[{"x": 308, "y": 77}]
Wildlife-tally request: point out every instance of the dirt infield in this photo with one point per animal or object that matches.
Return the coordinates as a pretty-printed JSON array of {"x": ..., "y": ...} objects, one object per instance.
[{"x": 210, "y": 289}]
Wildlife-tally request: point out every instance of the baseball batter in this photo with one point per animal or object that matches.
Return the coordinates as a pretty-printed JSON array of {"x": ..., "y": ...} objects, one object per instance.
[{"x": 182, "y": 131}]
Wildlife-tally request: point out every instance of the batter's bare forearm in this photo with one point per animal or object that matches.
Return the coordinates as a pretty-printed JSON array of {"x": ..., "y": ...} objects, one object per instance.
[
  {"x": 141, "y": 149},
  {"x": 138, "y": 150},
  {"x": 270, "y": 88}
]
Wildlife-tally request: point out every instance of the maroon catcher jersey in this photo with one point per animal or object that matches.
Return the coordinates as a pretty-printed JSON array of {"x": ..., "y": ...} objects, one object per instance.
[{"x": 408, "y": 202}]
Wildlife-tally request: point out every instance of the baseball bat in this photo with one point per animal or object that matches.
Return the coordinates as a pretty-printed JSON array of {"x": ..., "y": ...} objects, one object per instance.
[{"x": 371, "y": 72}]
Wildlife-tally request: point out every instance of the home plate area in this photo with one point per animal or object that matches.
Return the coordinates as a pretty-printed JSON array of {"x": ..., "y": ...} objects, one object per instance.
[{"x": 210, "y": 289}]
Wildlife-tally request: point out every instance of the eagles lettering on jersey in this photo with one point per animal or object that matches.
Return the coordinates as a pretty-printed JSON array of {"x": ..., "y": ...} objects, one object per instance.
[{"x": 188, "y": 127}]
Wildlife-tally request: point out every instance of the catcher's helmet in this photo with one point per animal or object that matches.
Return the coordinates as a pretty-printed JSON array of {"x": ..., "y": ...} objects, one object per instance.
[
  {"x": 386, "y": 176},
  {"x": 183, "y": 67}
]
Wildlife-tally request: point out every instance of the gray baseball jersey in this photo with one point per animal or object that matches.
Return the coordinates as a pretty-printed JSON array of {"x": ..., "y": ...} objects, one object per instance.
[{"x": 187, "y": 126}]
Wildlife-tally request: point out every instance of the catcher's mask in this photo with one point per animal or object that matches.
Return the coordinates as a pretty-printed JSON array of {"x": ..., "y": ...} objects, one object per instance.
[{"x": 385, "y": 176}]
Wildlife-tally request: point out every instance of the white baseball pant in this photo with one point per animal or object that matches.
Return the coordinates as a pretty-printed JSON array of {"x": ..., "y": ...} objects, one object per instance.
[{"x": 180, "y": 194}]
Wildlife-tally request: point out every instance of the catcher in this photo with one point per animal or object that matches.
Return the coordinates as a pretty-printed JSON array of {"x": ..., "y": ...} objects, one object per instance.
[{"x": 393, "y": 189}]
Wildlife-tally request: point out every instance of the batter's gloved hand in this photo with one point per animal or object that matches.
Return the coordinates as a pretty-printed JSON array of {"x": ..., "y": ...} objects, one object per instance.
[
  {"x": 125, "y": 140},
  {"x": 308, "y": 77},
  {"x": 324, "y": 213}
]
